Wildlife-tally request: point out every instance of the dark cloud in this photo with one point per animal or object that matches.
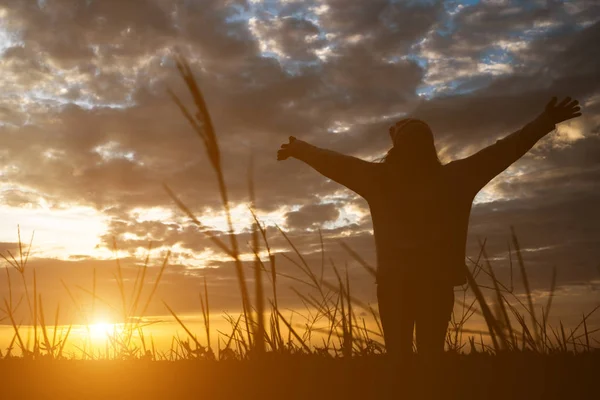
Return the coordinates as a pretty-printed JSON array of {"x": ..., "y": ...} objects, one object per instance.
[
  {"x": 389, "y": 27},
  {"x": 313, "y": 215},
  {"x": 510, "y": 101},
  {"x": 296, "y": 38},
  {"x": 8, "y": 246}
]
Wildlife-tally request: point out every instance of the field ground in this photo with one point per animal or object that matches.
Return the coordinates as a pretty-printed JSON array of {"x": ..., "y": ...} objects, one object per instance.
[{"x": 508, "y": 376}]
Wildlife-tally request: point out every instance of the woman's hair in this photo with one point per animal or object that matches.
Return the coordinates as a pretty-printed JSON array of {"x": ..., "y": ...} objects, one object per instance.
[
  {"x": 411, "y": 147},
  {"x": 402, "y": 124}
]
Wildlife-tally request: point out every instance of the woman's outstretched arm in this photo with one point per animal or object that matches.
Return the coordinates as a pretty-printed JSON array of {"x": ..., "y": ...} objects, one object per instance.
[
  {"x": 354, "y": 173},
  {"x": 483, "y": 166}
]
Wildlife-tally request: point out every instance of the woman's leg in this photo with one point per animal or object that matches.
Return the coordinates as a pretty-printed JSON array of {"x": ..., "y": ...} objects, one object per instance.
[
  {"x": 396, "y": 309},
  {"x": 433, "y": 315}
]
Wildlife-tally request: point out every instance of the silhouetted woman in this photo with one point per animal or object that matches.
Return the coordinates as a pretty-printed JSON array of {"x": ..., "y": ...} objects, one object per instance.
[{"x": 420, "y": 211}]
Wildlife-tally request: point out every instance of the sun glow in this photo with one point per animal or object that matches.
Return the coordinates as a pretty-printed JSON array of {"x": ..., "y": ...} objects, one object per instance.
[{"x": 101, "y": 330}]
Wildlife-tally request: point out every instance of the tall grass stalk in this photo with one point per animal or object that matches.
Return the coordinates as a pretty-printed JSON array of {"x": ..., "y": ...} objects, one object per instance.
[{"x": 203, "y": 126}]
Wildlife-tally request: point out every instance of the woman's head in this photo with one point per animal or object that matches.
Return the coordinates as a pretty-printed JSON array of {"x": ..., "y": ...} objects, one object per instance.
[{"x": 413, "y": 144}]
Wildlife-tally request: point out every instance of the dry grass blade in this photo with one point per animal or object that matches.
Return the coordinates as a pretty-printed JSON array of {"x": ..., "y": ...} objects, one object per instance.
[
  {"x": 206, "y": 312},
  {"x": 155, "y": 286},
  {"x": 235, "y": 328},
  {"x": 212, "y": 148},
  {"x": 203, "y": 115},
  {"x": 138, "y": 285},
  {"x": 55, "y": 325},
  {"x": 551, "y": 296},
  {"x": 351, "y": 316},
  {"x": 273, "y": 276},
  {"x": 353, "y": 299},
  {"x": 304, "y": 267},
  {"x": 586, "y": 333},
  {"x": 346, "y": 318},
  {"x": 120, "y": 282},
  {"x": 293, "y": 332},
  {"x": 15, "y": 327},
  {"x": 34, "y": 316},
  {"x": 49, "y": 347},
  {"x": 9, "y": 283},
  {"x": 189, "y": 117},
  {"x": 585, "y": 317},
  {"x": 195, "y": 220},
  {"x": 259, "y": 334},
  {"x": 499, "y": 298},
  {"x": 185, "y": 328},
  {"x": 310, "y": 284},
  {"x": 487, "y": 314},
  {"x": 104, "y": 301},
  {"x": 525, "y": 280},
  {"x": 371, "y": 270}
]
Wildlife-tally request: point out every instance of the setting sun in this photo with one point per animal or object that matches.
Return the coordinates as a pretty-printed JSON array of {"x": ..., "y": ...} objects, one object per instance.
[{"x": 101, "y": 330}]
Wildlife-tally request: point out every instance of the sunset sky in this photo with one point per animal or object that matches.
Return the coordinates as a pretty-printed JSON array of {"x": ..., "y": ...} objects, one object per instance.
[{"x": 88, "y": 133}]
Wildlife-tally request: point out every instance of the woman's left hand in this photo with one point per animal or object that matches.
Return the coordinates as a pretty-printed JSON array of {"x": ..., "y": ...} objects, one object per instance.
[{"x": 565, "y": 110}]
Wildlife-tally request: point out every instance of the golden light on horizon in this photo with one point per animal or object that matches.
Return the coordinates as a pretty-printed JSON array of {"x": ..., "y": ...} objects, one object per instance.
[{"x": 101, "y": 330}]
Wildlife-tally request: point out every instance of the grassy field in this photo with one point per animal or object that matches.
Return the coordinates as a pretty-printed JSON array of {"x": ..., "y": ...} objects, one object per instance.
[{"x": 265, "y": 354}]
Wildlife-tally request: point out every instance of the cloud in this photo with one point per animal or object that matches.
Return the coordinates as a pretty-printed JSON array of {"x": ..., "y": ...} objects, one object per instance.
[
  {"x": 86, "y": 121},
  {"x": 289, "y": 37},
  {"x": 8, "y": 246},
  {"x": 312, "y": 215}
]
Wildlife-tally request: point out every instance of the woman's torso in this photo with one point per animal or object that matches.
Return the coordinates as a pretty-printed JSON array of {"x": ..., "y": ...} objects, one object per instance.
[{"x": 420, "y": 225}]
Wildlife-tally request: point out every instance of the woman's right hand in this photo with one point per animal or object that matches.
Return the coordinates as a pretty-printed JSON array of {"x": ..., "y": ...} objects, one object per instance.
[{"x": 291, "y": 149}]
